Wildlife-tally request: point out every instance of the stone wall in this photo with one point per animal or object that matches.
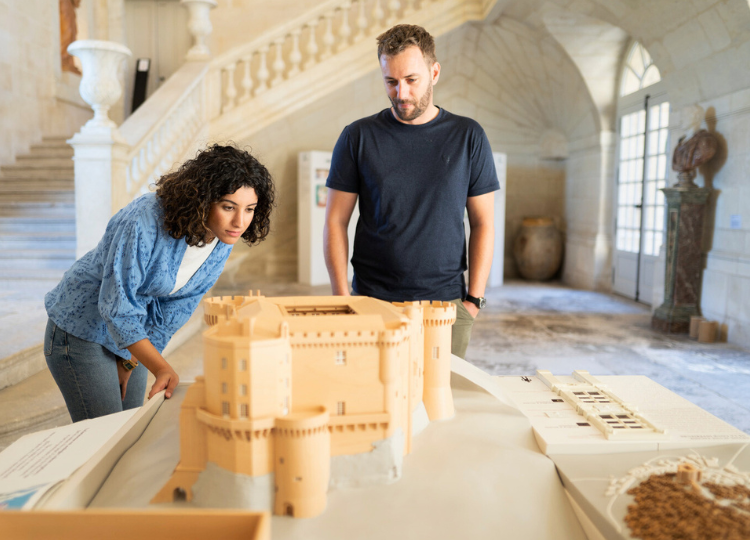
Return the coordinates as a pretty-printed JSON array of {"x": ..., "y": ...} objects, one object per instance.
[
  {"x": 236, "y": 22},
  {"x": 726, "y": 279},
  {"x": 36, "y": 99}
]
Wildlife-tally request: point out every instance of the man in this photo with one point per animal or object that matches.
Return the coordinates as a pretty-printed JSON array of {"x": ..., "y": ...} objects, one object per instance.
[{"x": 415, "y": 168}]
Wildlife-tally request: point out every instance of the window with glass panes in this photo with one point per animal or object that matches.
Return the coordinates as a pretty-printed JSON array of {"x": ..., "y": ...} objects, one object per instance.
[
  {"x": 656, "y": 178},
  {"x": 630, "y": 180}
]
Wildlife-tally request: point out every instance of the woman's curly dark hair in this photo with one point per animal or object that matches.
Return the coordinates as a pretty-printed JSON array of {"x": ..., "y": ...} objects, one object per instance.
[{"x": 187, "y": 194}]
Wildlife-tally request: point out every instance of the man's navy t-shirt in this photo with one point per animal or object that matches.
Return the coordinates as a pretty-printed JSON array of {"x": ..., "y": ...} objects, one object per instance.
[{"x": 412, "y": 182}]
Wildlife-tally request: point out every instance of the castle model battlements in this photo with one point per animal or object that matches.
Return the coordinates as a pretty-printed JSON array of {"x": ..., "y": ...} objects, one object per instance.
[{"x": 291, "y": 382}]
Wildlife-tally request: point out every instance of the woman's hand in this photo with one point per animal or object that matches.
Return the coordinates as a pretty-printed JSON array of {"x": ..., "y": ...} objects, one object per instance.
[
  {"x": 166, "y": 379},
  {"x": 123, "y": 375}
]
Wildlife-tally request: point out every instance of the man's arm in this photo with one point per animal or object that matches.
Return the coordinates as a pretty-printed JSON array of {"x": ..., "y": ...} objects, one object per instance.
[
  {"x": 339, "y": 208},
  {"x": 481, "y": 210}
]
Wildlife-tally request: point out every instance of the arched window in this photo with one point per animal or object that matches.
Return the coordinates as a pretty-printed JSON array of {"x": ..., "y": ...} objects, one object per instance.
[{"x": 639, "y": 71}]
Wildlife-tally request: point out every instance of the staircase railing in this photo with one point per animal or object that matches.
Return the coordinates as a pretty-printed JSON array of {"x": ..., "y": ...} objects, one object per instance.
[{"x": 180, "y": 113}]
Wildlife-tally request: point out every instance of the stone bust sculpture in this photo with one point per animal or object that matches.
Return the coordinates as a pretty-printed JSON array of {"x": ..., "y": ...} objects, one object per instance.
[{"x": 694, "y": 148}]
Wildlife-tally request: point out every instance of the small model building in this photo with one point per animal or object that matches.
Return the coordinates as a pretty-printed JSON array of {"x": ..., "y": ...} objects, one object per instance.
[
  {"x": 291, "y": 382},
  {"x": 601, "y": 408}
]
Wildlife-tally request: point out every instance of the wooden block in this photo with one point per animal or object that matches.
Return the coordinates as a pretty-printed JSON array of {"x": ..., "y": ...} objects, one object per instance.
[
  {"x": 695, "y": 322},
  {"x": 707, "y": 331},
  {"x": 127, "y": 524}
]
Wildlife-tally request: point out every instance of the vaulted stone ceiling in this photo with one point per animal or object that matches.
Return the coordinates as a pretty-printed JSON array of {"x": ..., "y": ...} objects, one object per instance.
[{"x": 517, "y": 81}]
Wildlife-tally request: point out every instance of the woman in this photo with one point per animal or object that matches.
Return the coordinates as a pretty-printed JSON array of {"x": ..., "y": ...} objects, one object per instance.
[{"x": 118, "y": 306}]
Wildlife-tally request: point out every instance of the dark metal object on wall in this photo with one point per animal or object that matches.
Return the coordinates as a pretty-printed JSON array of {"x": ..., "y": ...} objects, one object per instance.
[{"x": 142, "y": 67}]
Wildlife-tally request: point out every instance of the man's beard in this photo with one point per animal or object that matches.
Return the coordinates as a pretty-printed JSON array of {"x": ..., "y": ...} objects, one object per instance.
[{"x": 419, "y": 107}]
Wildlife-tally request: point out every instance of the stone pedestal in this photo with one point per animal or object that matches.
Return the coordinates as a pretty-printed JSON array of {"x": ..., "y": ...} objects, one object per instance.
[
  {"x": 100, "y": 151},
  {"x": 682, "y": 283}
]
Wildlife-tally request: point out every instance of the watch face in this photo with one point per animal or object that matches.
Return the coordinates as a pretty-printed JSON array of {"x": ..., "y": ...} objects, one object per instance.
[
  {"x": 482, "y": 303},
  {"x": 129, "y": 364}
]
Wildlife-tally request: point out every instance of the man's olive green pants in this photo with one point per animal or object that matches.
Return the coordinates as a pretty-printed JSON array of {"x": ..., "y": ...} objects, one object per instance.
[{"x": 461, "y": 329}]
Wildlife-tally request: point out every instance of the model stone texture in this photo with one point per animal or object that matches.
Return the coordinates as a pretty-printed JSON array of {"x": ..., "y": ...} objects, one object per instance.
[{"x": 290, "y": 383}]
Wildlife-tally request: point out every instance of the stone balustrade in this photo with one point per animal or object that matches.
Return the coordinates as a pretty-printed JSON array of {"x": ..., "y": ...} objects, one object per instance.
[
  {"x": 301, "y": 44},
  {"x": 167, "y": 140}
]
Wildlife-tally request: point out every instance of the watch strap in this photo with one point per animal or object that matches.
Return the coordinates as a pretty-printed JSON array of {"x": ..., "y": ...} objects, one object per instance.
[{"x": 479, "y": 302}]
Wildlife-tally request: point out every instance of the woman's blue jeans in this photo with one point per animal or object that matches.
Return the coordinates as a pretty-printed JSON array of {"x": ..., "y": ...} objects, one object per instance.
[{"x": 86, "y": 374}]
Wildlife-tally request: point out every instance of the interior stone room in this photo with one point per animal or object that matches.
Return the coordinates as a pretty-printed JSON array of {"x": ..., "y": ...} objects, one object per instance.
[{"x": 552, "y": 82}]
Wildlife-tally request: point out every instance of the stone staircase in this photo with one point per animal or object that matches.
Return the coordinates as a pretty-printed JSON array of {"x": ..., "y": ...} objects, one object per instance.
[
  {"x": 37, "y": 245},
  {"x": 37, "y": 213}
]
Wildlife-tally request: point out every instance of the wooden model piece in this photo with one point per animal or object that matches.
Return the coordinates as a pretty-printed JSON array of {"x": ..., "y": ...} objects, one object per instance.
[
  {"x": 129, "y": 524},
  {"x": 601, "y": 408},
  {"x": 290, "y": 382}
]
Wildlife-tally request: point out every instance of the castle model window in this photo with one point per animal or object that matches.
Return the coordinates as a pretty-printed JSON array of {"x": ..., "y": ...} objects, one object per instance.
[
  {"x": 223, "y": 363},
  {"x": 341, "y": 408},
  {"x": 435, "y": 353},
  {"x": 341, "y": 358},
  {"x": 243, "y": 365},
  {"x": 224, "y": 388},
  {"x": 243, "y": 389},
  {"x": 244, "y": 410},
  {"x": 225, "y": 408}
]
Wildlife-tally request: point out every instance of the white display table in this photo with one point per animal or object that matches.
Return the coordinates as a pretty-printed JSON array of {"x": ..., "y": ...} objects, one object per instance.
[{"x": 479, "y": 475}]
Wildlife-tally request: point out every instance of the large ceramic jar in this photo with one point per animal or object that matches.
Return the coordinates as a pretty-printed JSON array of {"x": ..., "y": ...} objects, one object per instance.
[{"x": 538, "y": 249}]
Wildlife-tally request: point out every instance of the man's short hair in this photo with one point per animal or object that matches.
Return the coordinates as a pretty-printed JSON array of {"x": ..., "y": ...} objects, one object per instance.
[{"x": 402, "y": 36}]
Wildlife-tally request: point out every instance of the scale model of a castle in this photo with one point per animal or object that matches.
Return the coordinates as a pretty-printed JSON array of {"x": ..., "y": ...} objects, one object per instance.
[
  {"x": 593, "y": 400},
  {"x": 291, "y": 382}
]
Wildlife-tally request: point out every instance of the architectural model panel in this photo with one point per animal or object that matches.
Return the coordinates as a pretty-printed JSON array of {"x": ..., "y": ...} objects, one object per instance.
[
  {"x": 291, "y": 382},
  {"x": 569, "y": 423},
  {"x": 598, "y": 405}
]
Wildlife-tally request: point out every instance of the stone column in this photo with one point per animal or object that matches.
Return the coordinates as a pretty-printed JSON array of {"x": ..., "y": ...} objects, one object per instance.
[
  {"x": 682, "y": 281},
  {"x": 100, "y": 151}
]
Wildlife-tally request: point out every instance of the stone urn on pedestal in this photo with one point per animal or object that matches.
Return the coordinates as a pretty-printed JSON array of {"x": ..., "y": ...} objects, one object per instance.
[
  {"x": 538, "y": 249},
  {"x": 199, "y": 26},
  {"x": 100, "y": 85},
  {"x": 100, "y": 150}
]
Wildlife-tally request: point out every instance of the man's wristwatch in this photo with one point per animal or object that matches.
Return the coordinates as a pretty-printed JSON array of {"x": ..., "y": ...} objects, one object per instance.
[
  {"x": 479, "y": 302},
  {"x": 129, "y": 364}
]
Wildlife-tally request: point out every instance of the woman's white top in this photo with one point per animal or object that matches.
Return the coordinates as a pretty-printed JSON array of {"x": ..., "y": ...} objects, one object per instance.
[{"x": 192, "y": 260}]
